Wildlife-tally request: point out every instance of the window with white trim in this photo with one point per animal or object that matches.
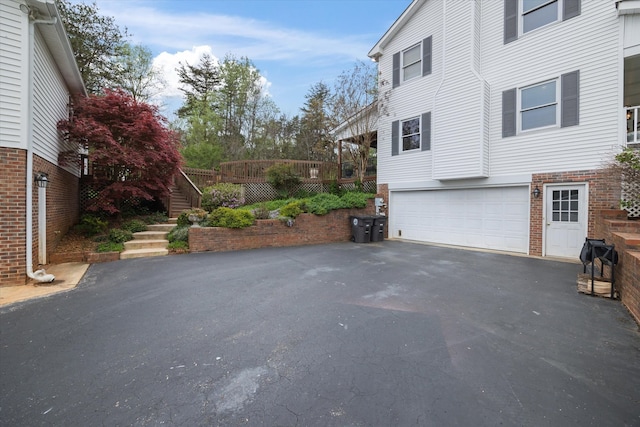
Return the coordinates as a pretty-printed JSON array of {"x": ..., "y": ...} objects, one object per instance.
[
  {"x": 538, "y": 105},
  {"x": 523, "y": 16},
  {"x": 410, "y": 134},
  {"x": 411, "y": 63}
]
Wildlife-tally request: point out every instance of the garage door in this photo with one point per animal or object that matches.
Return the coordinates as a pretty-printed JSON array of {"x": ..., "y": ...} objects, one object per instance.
[{"x": 490, "y": 218}]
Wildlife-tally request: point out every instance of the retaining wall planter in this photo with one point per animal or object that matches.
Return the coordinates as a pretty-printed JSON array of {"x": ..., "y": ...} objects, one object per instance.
[{"x": 307, "y": 229}]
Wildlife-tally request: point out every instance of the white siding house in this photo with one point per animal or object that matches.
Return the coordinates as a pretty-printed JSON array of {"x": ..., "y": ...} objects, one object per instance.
[
  {"x": 500, "y": 117},
  {"x": 38, "y": 76}
]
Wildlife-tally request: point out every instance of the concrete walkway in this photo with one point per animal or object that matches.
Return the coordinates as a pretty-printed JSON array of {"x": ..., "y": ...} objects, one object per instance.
[{"x": 68, "y": 275}]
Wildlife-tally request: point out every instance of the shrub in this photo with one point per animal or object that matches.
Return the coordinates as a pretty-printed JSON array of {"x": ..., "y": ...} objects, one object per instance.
[
  {"x": 155, "y": 218},
  {"x": 354, "y": 199},
  {"x": 178, "y": 234},
  {"x": 222, "y": 195},
  {"x": 293, "y": 209},
  {"x": 230, "y": 218},
  {"x": 261, "y": 211},
  {"x": 90, "y": 225},
  {"x": 183, "y": 220},
  {"x": 283, "y": 177},
  {"x": 110, "y": 247},
  {"x": 626, "y": 168},
  {"x": 134, "y": 226},
  {"x": 117, "y": 235},
  {"x": 178, "y": 245},
  {"x": 322, "y": 203}
]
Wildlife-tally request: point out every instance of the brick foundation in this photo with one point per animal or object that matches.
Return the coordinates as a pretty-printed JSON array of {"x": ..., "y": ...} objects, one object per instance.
[
  {"x": 603, "y": 194},
  {"x": 62, "y": 211},
  {"x": 308, "y": 229}
]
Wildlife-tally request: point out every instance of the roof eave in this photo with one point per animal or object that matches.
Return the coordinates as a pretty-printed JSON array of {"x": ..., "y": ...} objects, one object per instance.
[{"x": 376, "y": 52}]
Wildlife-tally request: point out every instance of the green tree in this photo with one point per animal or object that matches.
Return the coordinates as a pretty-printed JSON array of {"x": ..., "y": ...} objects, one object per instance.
[
  {"x": 96, "y": 42},
  {"x": 315, "y": 126},
  {"x": 134, "y": 72}
]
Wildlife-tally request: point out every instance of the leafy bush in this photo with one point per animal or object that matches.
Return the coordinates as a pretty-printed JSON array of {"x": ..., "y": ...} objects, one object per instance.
[
  {"x": 354, "y": 199},
  {"x": 110, "y": 247},
  {"x": 270, "y": 205},
  {"x": 134, "y": 226},
  {"x": 179, "y": 234},
  {"x": 117, "y": 235},
  {"x": 261, "y": 211},
  {"x": 183, "y": 220},
  {"x": 230, "y": 218},
  {"x": 293, "y": 209},
  {"x": 322, "y": 203},
  {"x": 626, "y": 167},
  {"x": 178, "y": 245},
  {"x": 90, "y": 225},
  {"x": 335, "y": 188},
  {"x": 155, "y": 218},
  {"x": 222, "y": 195},
  {"x": 283, "y": 177}
]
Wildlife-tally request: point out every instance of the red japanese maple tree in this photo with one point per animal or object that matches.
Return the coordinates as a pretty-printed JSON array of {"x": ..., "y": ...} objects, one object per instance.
[{"x": 134, "y": 155}]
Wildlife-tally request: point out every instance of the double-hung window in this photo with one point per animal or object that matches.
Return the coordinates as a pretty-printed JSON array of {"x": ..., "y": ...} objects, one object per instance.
[
  {"x": 538, "y": 105},
  {"x": 550, "y": 103},
  {"x": 537, "y": 13},
  {"x": 522, "y": 16},
  {"x": 412, "y": 62},
  {"x": 412, "y": 134}
]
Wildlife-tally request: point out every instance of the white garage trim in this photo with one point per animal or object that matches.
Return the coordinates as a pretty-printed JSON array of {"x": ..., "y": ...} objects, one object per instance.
[{"x": 489, "y": 218}]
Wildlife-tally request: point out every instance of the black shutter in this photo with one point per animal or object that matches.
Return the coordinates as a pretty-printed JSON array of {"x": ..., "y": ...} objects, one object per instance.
[
  {"x": 396, "y": 69},
  {"x": 508, "y": 113},
  {"x": 395, "y": 137},
  {"x": 425, "y": 135},
  {"x": 570, "y": 105},
  {"x": 426, "y": 56},
  {"x": 570, "y": 9},
  {"x": 510, "y": 20}
]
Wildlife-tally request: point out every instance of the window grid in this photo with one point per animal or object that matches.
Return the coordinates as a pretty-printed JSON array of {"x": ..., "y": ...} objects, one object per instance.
[{"x": 565, "y": 206}]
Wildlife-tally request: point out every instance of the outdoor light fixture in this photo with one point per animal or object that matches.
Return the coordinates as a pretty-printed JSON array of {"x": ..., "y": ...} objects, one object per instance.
[
  {"x": 42, "y": 179},
  {"x": 536, "y": 192}
]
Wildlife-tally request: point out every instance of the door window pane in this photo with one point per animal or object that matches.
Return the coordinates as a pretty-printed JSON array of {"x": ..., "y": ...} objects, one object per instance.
[{"x": 565, "y": 206}]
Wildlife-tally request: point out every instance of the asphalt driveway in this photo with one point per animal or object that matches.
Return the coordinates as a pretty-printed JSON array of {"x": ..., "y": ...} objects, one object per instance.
[{"x": 384, "y": 334}]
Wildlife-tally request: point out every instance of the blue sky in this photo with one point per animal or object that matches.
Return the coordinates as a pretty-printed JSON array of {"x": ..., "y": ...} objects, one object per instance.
[{"x": 294, "y": 43}]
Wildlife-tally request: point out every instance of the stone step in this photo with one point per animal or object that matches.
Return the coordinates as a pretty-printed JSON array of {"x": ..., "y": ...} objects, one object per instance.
[
  {"x": 166, "y": 227},
  {"x": 173, "y": 220},
  {"x": 150, "y": 235},
  {"x": 142, "y": 253},
  {"x": 145, "y": 244}
]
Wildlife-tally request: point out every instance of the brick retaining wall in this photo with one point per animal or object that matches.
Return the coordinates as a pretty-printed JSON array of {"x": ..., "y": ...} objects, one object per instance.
[
  {"x": 308, "y": 229},
  {"x": 613, "y": 226}
]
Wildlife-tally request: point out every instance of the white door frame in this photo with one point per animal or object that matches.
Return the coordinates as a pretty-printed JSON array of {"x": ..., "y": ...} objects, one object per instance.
[{"x": 585, "y": 205}]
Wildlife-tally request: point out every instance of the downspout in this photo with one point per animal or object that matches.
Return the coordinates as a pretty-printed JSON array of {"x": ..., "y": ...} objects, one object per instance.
[{"x": 39, "y": 275}]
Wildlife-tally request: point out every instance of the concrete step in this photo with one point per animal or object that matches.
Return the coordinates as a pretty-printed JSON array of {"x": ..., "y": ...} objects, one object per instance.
[
  {"x": 150, "y": 235},
  {"x": 146, "y": 244},
  {"x": 166, "y": 227},
  {"x": 142, "y": 253},
  {"x": 173, "y": 220}
]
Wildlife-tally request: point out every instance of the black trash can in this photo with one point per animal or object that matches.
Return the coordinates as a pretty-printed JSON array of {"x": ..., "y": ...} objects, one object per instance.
[
  {"x": 361, "y": 228},
  {"x": 377, "y": 229}
]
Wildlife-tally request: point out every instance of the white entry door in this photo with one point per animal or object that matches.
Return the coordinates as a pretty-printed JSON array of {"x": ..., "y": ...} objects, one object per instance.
[{"x": 565, "y": 220}]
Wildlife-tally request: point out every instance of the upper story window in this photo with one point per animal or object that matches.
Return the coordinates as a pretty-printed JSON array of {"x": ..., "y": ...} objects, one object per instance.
[
  {"x": 522, "y": 16},
  {"x": 538, "y": 105},
  {"x": 411, "y": 134},
  {"x": 537, "y": 13},
  {"x": 412, "y": 62},
  {"x": 546, "y": 104}
]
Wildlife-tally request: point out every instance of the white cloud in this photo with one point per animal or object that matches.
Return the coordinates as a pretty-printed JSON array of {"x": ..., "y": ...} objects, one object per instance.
[{"x": 168, "y": 63}]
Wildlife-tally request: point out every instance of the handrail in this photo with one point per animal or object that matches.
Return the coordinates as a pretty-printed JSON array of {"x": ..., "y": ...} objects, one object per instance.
[{"x": 189, "y": 189}]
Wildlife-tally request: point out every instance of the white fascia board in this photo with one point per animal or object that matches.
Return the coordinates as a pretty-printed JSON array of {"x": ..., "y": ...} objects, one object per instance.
[
  {"x": 628, "y": 7},
  {"x": 494, "y": 181},
  {"x": 377, "y": 50}
]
